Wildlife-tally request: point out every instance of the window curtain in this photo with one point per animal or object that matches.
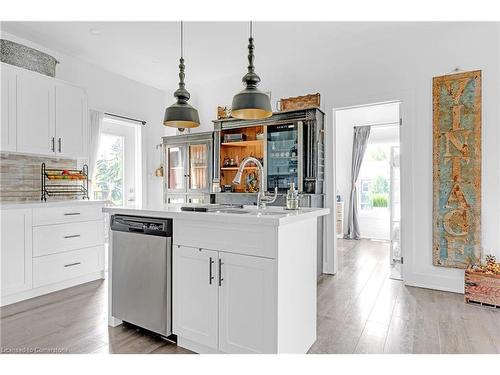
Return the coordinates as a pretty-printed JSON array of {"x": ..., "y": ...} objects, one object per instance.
[
  {"x": 95, "y": 132},
  {"x": 360, "y": 141}
]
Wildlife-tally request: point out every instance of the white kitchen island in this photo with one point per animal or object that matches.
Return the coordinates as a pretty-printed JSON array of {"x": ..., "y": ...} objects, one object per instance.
[{"x": 244, "y": 280}]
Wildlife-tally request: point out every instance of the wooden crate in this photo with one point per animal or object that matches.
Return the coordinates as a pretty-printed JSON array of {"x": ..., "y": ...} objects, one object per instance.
[
  {"x": 300, "y": 102},
  {"x": 482, "y": 288}
]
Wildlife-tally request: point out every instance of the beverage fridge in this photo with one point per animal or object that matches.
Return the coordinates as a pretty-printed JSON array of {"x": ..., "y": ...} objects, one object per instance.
[{"x": 282, "y": 156}]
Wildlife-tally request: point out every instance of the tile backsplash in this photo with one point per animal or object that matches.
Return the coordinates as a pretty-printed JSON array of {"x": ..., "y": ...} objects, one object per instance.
[{"x": 20, "y": 176}]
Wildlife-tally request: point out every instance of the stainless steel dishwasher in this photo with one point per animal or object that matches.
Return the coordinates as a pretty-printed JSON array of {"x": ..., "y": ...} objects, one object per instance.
[{"x": 141, "y": 272}]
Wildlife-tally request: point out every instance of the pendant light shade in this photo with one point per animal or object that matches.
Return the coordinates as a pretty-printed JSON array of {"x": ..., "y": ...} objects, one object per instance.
[
  {"x": 181, "y": 114},
  {"x": 251, "y": 103}
]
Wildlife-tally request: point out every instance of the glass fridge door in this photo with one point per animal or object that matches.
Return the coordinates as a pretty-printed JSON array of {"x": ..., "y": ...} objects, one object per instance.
[{"x": 282, "y": 156}]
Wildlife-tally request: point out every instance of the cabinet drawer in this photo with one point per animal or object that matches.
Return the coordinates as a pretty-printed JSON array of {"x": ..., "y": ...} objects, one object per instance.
[
  {"x": 64, "y": 266},
  {"x": 69, "y": 214},
  {"x": 244, "y": 239},
  {"x": 50, "y": 239}
]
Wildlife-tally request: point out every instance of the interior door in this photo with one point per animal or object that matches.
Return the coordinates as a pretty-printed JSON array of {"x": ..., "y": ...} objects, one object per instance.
[
  {"x": 176, "y": 169},
  {"x": 195, "y": 295},
  {"x": 199, "y": 162},
  {"x": 71, "y": 121},
  {"x": 247, "y": 313},
  {"x": 8, "y": 112},
  {"x": 35, "y": 114},
  {"x": 395, "y": 207}
]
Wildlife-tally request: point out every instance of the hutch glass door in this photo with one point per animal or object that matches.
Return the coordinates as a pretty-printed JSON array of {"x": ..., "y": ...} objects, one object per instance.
[{"x": 176, "y": 161}]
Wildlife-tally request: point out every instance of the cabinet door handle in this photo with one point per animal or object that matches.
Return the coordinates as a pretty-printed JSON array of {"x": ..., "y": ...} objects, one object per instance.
[
  {"x": 72, "y": 264},
  {"x": 220, "y": 272},
  {"x": 71, "y": 213},
  {"x": 72, "y": 236},
  {"x": 59, "y": 141},
  {"x": 210, "y": 277},
  {"x": 53, "y": 146}
]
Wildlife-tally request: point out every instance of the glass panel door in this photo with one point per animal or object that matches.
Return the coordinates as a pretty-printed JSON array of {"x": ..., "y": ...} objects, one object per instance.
[
  {"x": 198, "y": 166},
  {"x": 282, "y": 156},
  {"x": 108, "y": 181},
  {"x": 395, "y": 205},
  {"x": 176, "y": 168}
]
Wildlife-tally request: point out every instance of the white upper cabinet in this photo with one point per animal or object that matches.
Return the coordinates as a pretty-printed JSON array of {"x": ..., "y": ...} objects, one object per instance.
[
  {"x": 71, "y": 121},
  {"x": 42, "y": 115},
  {"x": 9, "y": 119},
  {"x": 35, "y": 114},
  {"x": 16, "y": 251}
]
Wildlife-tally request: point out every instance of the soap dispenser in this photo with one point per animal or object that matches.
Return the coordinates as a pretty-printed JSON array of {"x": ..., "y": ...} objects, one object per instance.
[{"x": 292, "y": 198}]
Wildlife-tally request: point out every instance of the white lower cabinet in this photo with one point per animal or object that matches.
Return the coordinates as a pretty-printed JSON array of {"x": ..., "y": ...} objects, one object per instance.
[
  {"x": 195, "y": 295},
  {"x": 45, "y": 249},
  {"x": 224, "y": 301},
  {"x": 246, "y": 304},
  {"x": 16, "y": 251}
]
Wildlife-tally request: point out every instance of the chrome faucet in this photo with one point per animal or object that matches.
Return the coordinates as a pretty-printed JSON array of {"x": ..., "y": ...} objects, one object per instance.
[{"x": 262, "y": 198}]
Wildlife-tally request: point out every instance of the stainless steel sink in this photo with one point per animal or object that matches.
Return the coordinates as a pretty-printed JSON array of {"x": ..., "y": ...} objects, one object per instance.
[{"x": 230, "y": 211}]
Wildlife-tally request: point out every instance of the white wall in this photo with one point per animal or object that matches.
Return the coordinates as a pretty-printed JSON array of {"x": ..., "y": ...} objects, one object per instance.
[
  {"x": 345, "y": 121},
  {"x": 384, "y": 62},
  {"x": 113, "y": 93}
]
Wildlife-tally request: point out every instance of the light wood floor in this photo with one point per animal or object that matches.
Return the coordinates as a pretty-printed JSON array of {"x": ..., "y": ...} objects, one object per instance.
[{"x": 360, "y": 310}]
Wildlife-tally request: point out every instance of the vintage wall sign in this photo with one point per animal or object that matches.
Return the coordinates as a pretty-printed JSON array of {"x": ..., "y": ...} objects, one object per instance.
[{"x": 457, "y": 168}]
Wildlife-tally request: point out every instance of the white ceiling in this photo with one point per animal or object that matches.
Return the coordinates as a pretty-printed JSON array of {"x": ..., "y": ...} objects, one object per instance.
[{"x": 148, "y": 52}]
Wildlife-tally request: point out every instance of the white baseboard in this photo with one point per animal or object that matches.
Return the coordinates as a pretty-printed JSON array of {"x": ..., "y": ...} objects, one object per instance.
[
  {"x": 195, "y": 347},
  {"x": 446, "y": 284},
  {"x": 17, "y": 297}
]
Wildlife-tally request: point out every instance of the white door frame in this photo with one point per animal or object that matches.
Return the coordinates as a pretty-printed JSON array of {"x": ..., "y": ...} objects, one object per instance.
[
  {"x": 137, "y": 157},
  {"x": 406, "y": 110}
]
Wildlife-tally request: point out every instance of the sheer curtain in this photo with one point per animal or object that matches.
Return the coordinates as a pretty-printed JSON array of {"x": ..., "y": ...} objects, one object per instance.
[
  {"x": 95, "y": 122},
  {"x": 359, "y": 143}
]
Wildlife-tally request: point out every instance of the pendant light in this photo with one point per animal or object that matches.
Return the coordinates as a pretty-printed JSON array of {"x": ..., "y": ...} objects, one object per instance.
[
  {"x": 181, "y": 114},
  {"x": 251, "y": 103}
]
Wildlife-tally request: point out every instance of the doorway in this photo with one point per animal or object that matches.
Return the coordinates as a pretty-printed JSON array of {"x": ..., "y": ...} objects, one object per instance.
[
  {"x": 377, "y": 197},
  {"x": 117, "y": 175}
]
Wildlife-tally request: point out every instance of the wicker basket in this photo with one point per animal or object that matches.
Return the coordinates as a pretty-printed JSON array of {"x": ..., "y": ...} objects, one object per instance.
[
  {"x": 482, "y": 288},
  {"x": 28, "y": 58}
]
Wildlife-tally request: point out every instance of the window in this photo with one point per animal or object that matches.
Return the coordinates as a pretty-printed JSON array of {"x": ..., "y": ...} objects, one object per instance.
[
  {"x": 108, "y": 181},
  {"x": 365, "y": 202}
]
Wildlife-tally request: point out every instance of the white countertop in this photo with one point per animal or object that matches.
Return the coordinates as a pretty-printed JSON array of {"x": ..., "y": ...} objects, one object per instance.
[
  {"x": 39, "y": 204},
  {"x": 274, "y": 216}
]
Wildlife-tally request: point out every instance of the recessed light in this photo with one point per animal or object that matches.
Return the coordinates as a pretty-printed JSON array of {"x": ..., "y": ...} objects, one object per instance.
[{"x": 95, "y": 31}]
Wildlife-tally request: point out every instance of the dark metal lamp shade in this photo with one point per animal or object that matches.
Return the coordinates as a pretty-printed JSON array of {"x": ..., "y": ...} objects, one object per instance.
[
  {"x": 181, "y": 115},
  {"x": 251, "y": 104}
]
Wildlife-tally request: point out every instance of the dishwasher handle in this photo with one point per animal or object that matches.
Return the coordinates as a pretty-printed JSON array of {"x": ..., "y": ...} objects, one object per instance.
[{"x": 142, "y": 225}]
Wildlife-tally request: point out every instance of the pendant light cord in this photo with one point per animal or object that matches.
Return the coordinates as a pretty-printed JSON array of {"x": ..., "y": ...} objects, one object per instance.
[
  {"x": 251, "y": 29},
  {"x": 182, "y": 40}
]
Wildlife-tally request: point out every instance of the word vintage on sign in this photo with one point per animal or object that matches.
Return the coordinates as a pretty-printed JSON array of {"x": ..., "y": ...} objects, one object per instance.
[{"x": 457, "y": 169}]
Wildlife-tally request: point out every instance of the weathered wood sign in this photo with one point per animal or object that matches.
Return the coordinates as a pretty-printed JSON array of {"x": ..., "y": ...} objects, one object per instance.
[{"x": 457, "y": 168}]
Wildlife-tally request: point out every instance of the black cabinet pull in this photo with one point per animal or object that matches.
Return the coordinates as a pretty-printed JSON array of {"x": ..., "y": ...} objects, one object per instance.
[
  {"x": 72, "y": 264},
  {"x": 60, "y": 144},
  {"x": 71, "y": 213},
  {"x": 220, "y": 272},
  {"x": 210, "y": 277},
  {"x": 53, "y": 144},
  {"x": 72, "y": 236}
]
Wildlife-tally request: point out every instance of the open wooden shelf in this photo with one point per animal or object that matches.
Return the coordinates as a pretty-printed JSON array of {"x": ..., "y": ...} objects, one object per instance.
[
  {"x": 256, "y": 142},
  {"x": 236, "y": 168}
]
